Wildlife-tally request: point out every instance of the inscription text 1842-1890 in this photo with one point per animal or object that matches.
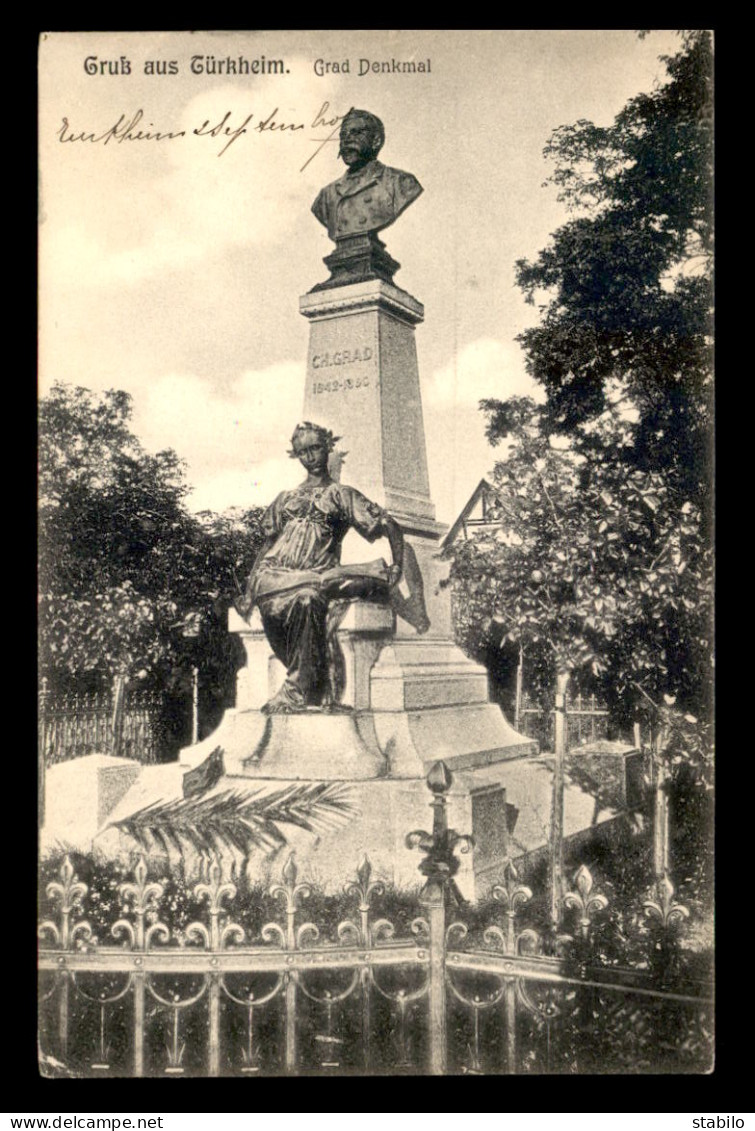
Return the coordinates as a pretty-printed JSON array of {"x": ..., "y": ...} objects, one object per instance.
[{"x": 340, "y": 385}]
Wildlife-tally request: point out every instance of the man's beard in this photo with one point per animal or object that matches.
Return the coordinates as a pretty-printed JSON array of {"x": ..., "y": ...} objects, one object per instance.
[{"x": 364, "y": 157}]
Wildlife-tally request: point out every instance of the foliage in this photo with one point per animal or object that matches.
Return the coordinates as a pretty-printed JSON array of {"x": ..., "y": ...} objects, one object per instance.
[
  {"x": 602, "y": 562},
  {"x": 592, "y": 569},
  {"x": 226, "y": 821},
  {"x": 131, "y": 582},
  {"x": 628, "y": 282}
]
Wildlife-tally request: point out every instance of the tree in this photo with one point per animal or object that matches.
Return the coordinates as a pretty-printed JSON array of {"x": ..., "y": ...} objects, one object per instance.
[
  {"x": 603, "y": 558},
  {"x": 622, "y": 352},
  {"x": 128, "y": 575},
  {"x": 627, "y": 282},
  {"x": 590, "y": 574},
  {"x": 593, "y": 574},
  {"x": 232, "y": 540}
]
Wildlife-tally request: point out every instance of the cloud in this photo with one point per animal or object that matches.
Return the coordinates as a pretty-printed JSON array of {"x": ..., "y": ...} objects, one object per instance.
[
  {"x": 484, "y": 368},
  {"x": 458, "y": 452},
  {"x": 253, "y": 486},
  {"x": 233, "y": 440},
  {"x": 186, "y": 202}
]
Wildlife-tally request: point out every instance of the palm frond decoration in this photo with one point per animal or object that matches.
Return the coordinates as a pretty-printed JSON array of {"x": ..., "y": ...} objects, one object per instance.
[{"x": 216, "y": 823}]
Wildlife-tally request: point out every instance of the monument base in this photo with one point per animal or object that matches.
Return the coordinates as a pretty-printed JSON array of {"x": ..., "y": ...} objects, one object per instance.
[
  {"x": 357, "y": 259},
  {"x": 79, "y": 796},
  {"x": 410, "y": 700},
  {"x": 360, "y": 745},
  {"x": 505, "y": 807},
  {"x": 311, "y": 746}
]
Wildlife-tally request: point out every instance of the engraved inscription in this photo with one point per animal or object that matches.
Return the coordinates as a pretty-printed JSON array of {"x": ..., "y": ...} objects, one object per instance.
[
  {"x": 341, "y": 357},
  {"x": 339, "y": 385}
]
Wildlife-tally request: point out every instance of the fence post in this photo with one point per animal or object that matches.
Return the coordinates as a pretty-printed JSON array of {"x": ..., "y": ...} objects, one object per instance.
[
  {"x": 194, "y": 706},
  {"x": 434, "y": 901},
  {"x": 42, "y": 747},
  {"x": 291, "y": 892},
  {"x": 509, "y": 1005},
  {"x": 290, "y": 978},
  {"x": 214, "y": 1007},
  {"x": 556, "y": 848},
  {"x": 139, "y": 987},
  {"x": 119, "y": 695},
  {"x": 65, "y": 987},
  {"x": 660, "y": 809},
  {"x": 439, "y": 866},
  {"x": 519, "y": 680}
]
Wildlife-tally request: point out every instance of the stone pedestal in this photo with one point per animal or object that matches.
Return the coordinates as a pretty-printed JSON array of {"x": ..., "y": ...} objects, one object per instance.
[
  {"x": 363, "y": 382},
  {"x": 505, "y": 806},
  {"x": 412, "y": 700},
  {"x": 81, "y": 794},
  {"x": 262, "y": 674},
  {"x": 613, "y": 771},
  {"x": 362, "y": 634},
  {"x": 356, "y": 259},
  {"x": 310, "y": 746}
]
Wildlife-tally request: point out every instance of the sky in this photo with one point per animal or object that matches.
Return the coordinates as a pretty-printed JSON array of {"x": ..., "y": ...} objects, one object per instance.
[{"x": 173, "y": 270}]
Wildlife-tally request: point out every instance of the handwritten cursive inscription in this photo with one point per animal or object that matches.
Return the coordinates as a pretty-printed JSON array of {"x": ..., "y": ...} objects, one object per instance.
[
  {"x": 320, "y": 121},
  {"x": 224, "y": 127},
  {"x": 123, "y": 130}
]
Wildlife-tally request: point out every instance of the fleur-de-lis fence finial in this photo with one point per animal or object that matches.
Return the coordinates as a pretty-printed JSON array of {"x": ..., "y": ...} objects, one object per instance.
[
  {"x": 214, "y": 889},
  {"x": 668, "y": 916},
  {"x": 70, "y": 891},
  {"x": 364, "y": 887},
  {"x": 291, "y": 893},
  {"x": 583, "y": 899},
  {"x": 146, "y": 897},
  {"x": 512, "y": 895},
  {"x": 665, "y": 910}
]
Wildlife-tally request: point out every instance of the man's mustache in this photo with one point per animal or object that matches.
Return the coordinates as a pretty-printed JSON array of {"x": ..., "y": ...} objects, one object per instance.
[{"x": 354, "y": 149}]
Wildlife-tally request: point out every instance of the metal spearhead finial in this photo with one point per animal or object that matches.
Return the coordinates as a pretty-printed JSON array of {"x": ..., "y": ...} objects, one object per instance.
[
  {"x": 440, "y": 778},
  {"x": 290, "y": 871},
  {"x": 364, "y": 871}
]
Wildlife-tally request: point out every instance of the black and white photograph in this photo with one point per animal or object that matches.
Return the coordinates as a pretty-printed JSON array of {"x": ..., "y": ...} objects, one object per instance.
[{"x": 375, "y": 531}]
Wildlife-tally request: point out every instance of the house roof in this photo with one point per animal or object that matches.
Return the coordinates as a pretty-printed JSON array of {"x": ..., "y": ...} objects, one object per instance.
[{"x": 483, "y": 493}]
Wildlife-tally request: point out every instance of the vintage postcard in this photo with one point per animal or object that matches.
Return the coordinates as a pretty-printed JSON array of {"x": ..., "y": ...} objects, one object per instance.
[{"x": 375, "y": 552}]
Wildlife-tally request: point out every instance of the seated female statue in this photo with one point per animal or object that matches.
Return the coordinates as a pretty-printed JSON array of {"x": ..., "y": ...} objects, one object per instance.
[{"x": 298, "y": 574}]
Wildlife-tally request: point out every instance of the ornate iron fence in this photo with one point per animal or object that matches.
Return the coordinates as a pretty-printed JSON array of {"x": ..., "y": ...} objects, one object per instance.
[
  {"x": 587, "y": 720},
  {"x": 78, "y": 724},
  {"x": 448, "y": 997}
]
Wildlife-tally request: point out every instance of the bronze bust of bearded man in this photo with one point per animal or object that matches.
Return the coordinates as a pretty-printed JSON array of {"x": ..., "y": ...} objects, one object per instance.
[
  {"x": 369, "y": 196},
  {"x": 298, "y": 576}
]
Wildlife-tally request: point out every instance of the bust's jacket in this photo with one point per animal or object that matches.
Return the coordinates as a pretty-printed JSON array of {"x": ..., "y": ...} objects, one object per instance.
[{"x": 366, "y": 201}]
